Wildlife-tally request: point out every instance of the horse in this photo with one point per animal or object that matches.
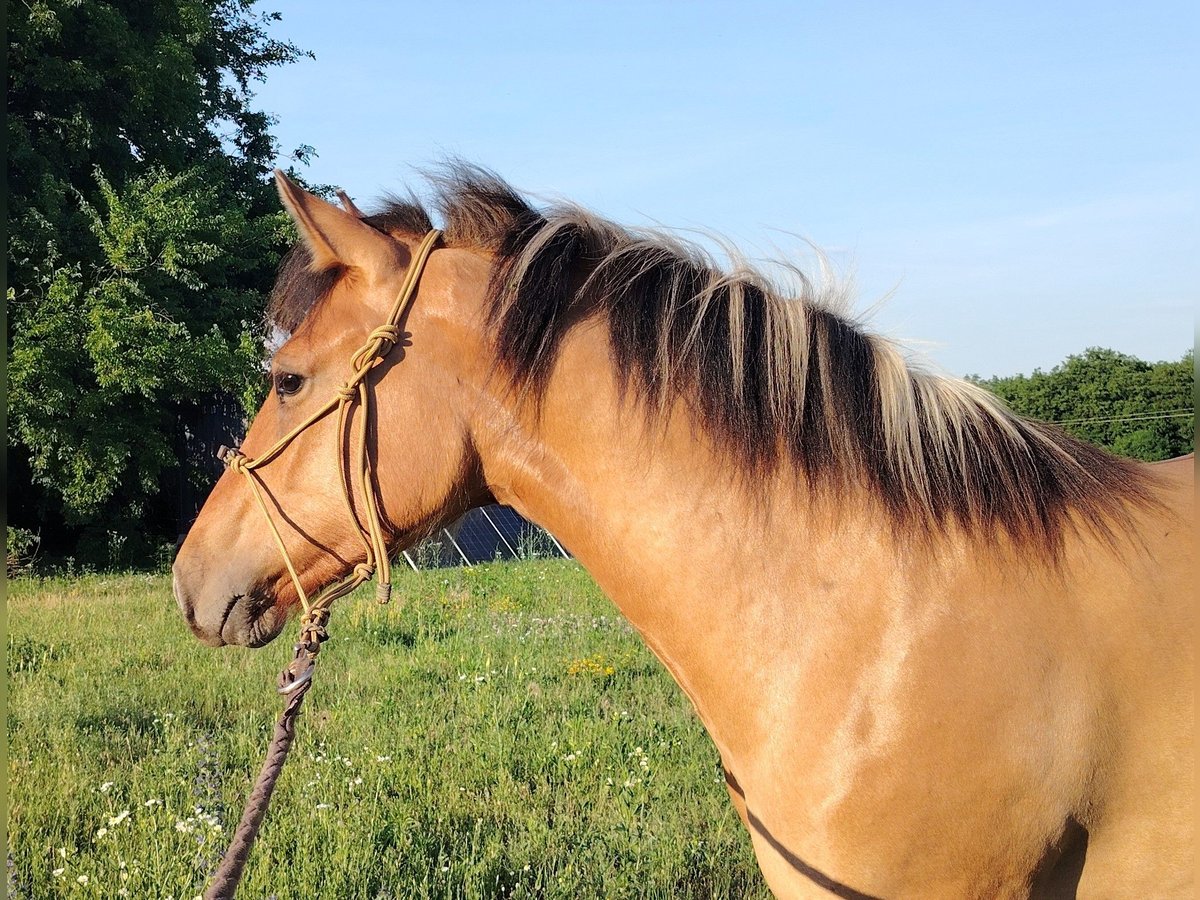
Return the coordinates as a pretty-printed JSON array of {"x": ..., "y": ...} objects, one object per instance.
[{"x": 957, "y": 663}]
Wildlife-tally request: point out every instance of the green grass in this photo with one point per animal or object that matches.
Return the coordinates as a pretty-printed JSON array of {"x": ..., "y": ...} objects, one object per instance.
[{"x": 499, "y": 732}]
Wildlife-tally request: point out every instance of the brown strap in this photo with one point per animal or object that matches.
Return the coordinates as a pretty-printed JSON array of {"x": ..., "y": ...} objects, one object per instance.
[{"x": 229, "y": 873}]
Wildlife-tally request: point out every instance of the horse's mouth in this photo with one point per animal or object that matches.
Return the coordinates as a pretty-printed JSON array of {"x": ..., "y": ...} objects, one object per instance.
[{"x": 252, "y": 620}]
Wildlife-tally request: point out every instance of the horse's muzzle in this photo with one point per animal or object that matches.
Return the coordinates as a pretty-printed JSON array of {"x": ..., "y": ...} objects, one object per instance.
[{"x": 246, "y": 619}]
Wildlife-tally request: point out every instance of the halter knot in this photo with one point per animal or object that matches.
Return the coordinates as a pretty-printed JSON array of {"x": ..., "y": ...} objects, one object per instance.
[
  {"x": 312, "y": 628},
  {"x": 235, "y": 460},
  {"x": 348, "y": 391},
  {"x": 364, "y": 571},
  {"x": 316, "y": 616},
  {"x": 385, "y": 334},
  {"x": 312, "y": 637}
]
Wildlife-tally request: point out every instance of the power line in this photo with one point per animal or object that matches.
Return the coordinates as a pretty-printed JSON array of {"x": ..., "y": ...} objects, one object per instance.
[{"x": 1173, "y": 414}]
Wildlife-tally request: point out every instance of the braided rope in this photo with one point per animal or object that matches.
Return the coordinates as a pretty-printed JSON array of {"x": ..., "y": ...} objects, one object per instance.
[
  {"x": 296, "y": 679},
  {"x": 225, "y": 880}
]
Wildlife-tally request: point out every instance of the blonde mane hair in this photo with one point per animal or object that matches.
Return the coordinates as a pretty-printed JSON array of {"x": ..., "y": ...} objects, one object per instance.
[{"x": 777, "y": 377}]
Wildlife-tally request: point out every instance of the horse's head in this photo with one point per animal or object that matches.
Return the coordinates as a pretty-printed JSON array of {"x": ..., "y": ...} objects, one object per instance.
[{"x": 230, "y": 579}]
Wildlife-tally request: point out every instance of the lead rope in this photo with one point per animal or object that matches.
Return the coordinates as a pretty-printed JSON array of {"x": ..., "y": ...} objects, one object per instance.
[
  {"x": 229, "y": 873},
  {"x": 296, "y": 679}
]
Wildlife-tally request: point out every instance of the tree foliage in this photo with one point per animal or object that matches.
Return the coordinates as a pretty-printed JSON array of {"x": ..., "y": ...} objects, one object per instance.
[
  {"x": 144, "y": 234},
  {"x": 1131, "y": 407}
]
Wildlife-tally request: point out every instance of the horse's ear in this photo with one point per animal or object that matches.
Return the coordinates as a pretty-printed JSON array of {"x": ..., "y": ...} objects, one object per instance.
[{"x": 335, "y": 237}]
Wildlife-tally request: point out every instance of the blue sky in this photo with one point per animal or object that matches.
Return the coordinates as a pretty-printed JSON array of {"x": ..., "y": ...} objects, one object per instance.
[{"x": 1020, "y": 178}]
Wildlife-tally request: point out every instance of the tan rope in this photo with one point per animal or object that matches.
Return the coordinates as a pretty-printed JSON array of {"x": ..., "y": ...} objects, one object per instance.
[{"x": 296, "y": 679}]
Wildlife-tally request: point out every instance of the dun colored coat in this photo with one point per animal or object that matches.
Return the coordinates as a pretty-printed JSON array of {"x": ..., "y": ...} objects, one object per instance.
[{"x": 957, "y": 662}]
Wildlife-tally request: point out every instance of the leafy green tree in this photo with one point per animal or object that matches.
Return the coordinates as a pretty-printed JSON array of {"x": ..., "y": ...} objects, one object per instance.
[
  {"x": 1111, "y": 399},
  {"x": 144, "y": 234}
]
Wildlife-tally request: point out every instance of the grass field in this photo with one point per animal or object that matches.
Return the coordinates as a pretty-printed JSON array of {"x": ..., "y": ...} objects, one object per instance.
[{"x": 498, "y": 732}]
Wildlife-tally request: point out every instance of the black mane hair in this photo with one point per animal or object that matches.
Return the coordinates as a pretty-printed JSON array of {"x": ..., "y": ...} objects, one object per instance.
[{"x": 777, "y": 377}]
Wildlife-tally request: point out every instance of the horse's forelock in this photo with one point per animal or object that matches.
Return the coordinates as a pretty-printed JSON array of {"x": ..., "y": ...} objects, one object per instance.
[{"x": 297, "y": 289}]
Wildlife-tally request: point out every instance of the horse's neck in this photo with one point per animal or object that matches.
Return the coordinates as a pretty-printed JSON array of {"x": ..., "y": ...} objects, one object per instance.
[{"x": 715, "y": 581}]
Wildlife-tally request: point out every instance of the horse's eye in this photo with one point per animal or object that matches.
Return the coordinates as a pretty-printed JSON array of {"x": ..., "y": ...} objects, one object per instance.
[{"x": 287, "y": 383}]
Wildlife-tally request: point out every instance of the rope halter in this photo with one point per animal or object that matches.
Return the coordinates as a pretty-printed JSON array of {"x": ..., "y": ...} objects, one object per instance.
[{"x": 378, "y": 345}]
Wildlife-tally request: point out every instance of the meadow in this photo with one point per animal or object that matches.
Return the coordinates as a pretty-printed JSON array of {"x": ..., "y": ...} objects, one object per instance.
[{"x": 498, "y": 731}]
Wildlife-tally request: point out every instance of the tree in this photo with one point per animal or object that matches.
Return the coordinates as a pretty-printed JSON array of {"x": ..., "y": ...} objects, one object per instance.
[
  {"x": 144, "y": 235},
  {"x": 1111, "y": 399}
]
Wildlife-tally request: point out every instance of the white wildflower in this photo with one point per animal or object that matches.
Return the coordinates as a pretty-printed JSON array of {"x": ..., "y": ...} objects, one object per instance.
[{"x": 119, "y": 818}]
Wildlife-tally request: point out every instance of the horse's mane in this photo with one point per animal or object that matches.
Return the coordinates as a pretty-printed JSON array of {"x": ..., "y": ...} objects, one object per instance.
[{"x": 776, "y": 377}]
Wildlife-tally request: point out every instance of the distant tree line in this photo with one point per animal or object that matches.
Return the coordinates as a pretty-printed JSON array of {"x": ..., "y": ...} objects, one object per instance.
[{"x": 1116, "y": 401}]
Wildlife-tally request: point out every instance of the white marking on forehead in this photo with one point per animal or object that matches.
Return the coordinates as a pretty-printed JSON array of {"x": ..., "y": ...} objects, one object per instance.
[{"x": 275, "y": 339}]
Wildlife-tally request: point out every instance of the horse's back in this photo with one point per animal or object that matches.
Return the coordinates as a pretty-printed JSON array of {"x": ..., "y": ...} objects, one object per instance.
[
  {"x": 1176, "y": 482},
  {"x": 1143, "y": 840},
  {"x": 1168, "y": 532},
  {"x": 1184, "y": 464}
]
